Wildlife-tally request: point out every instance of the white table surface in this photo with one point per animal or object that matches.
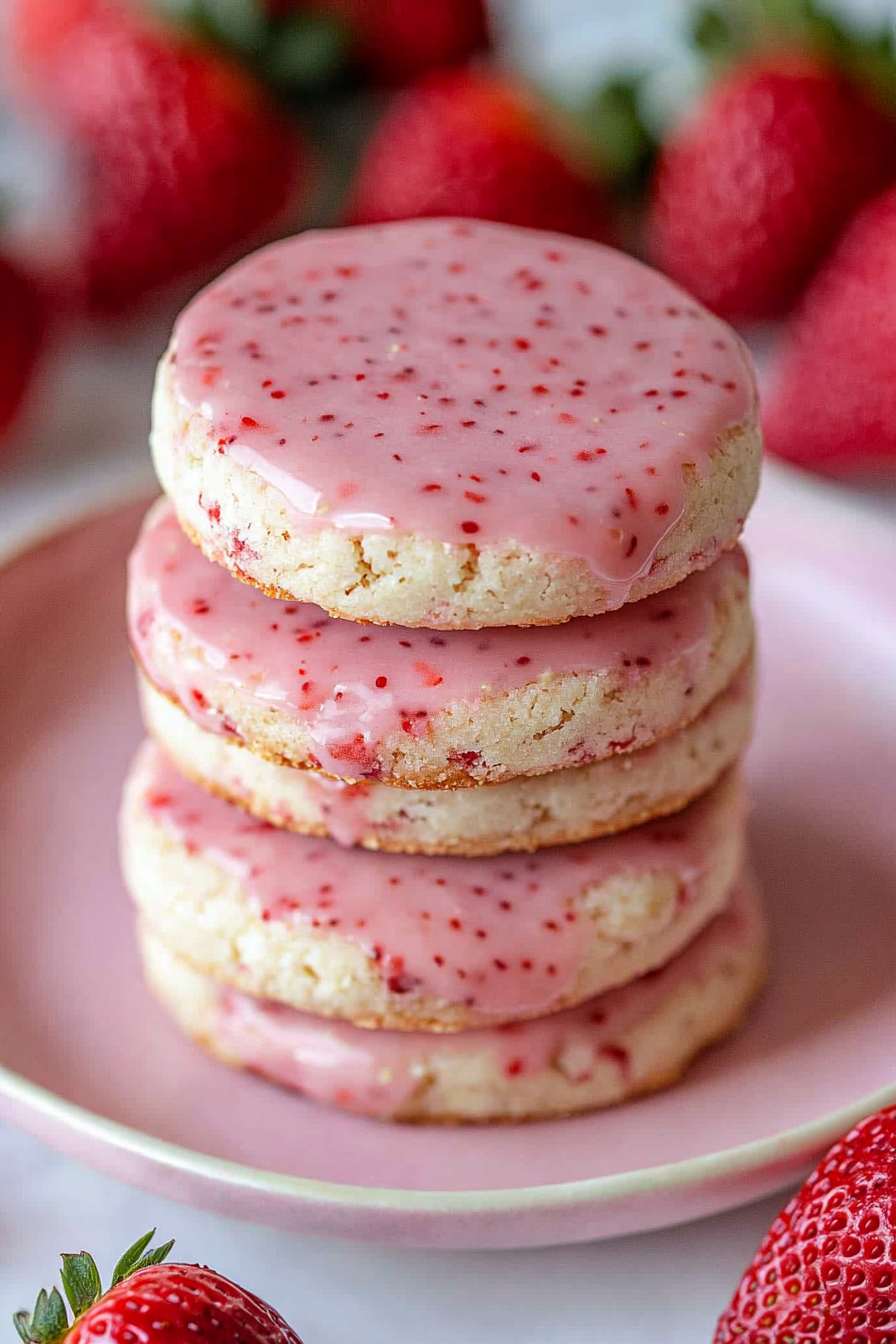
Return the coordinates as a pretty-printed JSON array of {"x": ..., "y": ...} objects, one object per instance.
[
  {"x": 87, "y": 427},
  {"x": 666, "y": 1287}
]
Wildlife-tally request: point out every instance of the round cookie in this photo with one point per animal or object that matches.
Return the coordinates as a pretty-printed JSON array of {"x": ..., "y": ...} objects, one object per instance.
[
  {"x": 455, "y": 424},
  {"x": 439, "y": 944},
  {"x": 560, "y": 808},
  {"x": 419, "y": 709},
  {"x": 631, "y": 1040}
]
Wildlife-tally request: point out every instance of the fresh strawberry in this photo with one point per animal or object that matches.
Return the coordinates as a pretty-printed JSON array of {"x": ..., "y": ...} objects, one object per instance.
[
  {"x": 754, "y": 187},
  {"x": 827, "y": 1267},
  {"x": 21, "y": 337},
  {"x": 148, "y": 1299},
  {"x": 185, "y": 156},
  {"x": 833, "y": 402},
  {"x": 468, "y": 142},
  {"x": 394, "y": 41}
]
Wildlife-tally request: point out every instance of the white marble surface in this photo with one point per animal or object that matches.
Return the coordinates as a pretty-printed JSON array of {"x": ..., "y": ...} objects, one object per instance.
[
  {"x": 87, "y": 428},
  {"x": 666, "y": 1286}
]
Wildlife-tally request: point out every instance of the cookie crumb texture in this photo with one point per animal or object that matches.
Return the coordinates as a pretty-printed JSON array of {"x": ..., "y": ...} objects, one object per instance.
[
  {"x": 622, "y": 1044},
  {"x": 418, "y": 943},
  {"x": 451, "y": 424},
  {"x": 561, "y": 808},
  {"x": 418, "y": 709}
]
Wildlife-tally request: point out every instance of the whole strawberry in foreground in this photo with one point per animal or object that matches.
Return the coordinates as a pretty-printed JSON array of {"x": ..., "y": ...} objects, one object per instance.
[
  {"x": 185, "y": 156},
  {"x": 476, "y": 144},
  {"x": 181, "y": 1304},
  {"x": 752, "y": 190},
  {"x": 833, "y": 401},
  {"x": 21, "y": 337},
  {"x": 827, "y": 1267}
]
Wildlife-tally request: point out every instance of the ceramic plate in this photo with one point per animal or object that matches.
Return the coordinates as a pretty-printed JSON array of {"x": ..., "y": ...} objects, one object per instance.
[{"x": 88, "y": 1063}]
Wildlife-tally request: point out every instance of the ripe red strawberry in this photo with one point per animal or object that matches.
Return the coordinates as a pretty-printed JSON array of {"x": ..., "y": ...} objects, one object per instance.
[
  {"x": 753, "y": 189},
  {"x": 21, "y": 337},
  {"x": 178, "y": 1303},
  {"x": 472, "y": 143},
  {"x": 833, "y": 403},
  {"x": 394, "y": 41},
  {"x": 185, "y": 156},
  {"x": 827, "y": 1267}
]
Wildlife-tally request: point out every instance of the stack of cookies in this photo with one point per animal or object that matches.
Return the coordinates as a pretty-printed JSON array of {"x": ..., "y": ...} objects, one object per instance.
[{"x": 444, "y": 645}]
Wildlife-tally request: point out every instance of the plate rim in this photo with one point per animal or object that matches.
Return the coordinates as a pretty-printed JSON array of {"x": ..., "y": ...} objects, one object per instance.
[{"x": 786, "y": 1148}]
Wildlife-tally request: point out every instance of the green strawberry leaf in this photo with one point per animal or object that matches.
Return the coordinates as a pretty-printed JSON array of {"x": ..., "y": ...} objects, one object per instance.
[
  {"x": 81, "y": 1282},
  {"x": 22, "y": 1321},
  {"x": 620, "y": 142},
  {"x": 49, "y": 1321},
  {"x": 730, "y": 30},
  {"x": 300, "y": 52},
  {"x": 711, "y": 32},
  {"x": 134, "y": 1258},
  {"x": 127, "y": 1262},
  {"x": 154, "y": 1258},
  {"x": 240, "y": 24},
  {"x": 305, "y": 52}
]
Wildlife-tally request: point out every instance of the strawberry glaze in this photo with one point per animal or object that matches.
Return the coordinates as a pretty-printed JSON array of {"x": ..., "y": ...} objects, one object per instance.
[
  {"x": 498, "y": 934},
  {"x": 377, "y": 1072},
  {"x": 353, "y": 686},
  {"x": 467, "y": 383},
  {"x": 349, "y": 809}
]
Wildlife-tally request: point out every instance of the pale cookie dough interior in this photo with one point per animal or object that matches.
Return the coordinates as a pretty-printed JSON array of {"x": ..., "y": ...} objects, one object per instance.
[
  {"x": 626, "y": 1042},
  {"x": 419, "y": 943},
  {"x": 425, "y": 710},
  {"x": 563, "y": 807}
]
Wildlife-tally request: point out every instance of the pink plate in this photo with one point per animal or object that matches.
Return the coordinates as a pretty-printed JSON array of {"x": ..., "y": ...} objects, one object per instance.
[{"x": 88, "y": 1063}]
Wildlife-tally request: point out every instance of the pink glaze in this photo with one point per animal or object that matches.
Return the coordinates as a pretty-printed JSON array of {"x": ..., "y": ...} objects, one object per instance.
[
  {"x": 347, "y": 807},
  {"x": 377, "y": 1072},
  {"x": 351, "y": 686},
  {"x": 466, "y": 382},
  {"x": 497, "y": 934}
]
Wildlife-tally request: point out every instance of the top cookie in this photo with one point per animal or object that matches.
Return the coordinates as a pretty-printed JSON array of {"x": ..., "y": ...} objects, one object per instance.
[{"x": 452, "y": 424}]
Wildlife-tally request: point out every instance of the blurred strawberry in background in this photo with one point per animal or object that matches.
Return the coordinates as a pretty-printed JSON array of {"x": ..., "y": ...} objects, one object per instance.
[
  {"x": 22, "y": 328},
  {"x": 196, "y": 129},
  {"x": 394, "y": 41},
  {"x": 476, "y": 143},
  {"x": 185, "y": 155},
  {"x": 753, "y": 189},
  {"x": 833, "y": 403}
]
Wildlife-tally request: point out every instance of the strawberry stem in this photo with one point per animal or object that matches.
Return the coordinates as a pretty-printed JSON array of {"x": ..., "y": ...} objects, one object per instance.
[{"x": 48, "y": 1323}]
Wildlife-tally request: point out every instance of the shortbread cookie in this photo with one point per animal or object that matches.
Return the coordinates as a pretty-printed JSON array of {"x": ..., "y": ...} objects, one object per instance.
[
  {"x": 453, "y": 424},
  {"x": 418, "y": 943},
  {"x": 626, "y": 1042},
  {"x": 561, "y": 808},
  {"x": 426, "y": 710}
]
